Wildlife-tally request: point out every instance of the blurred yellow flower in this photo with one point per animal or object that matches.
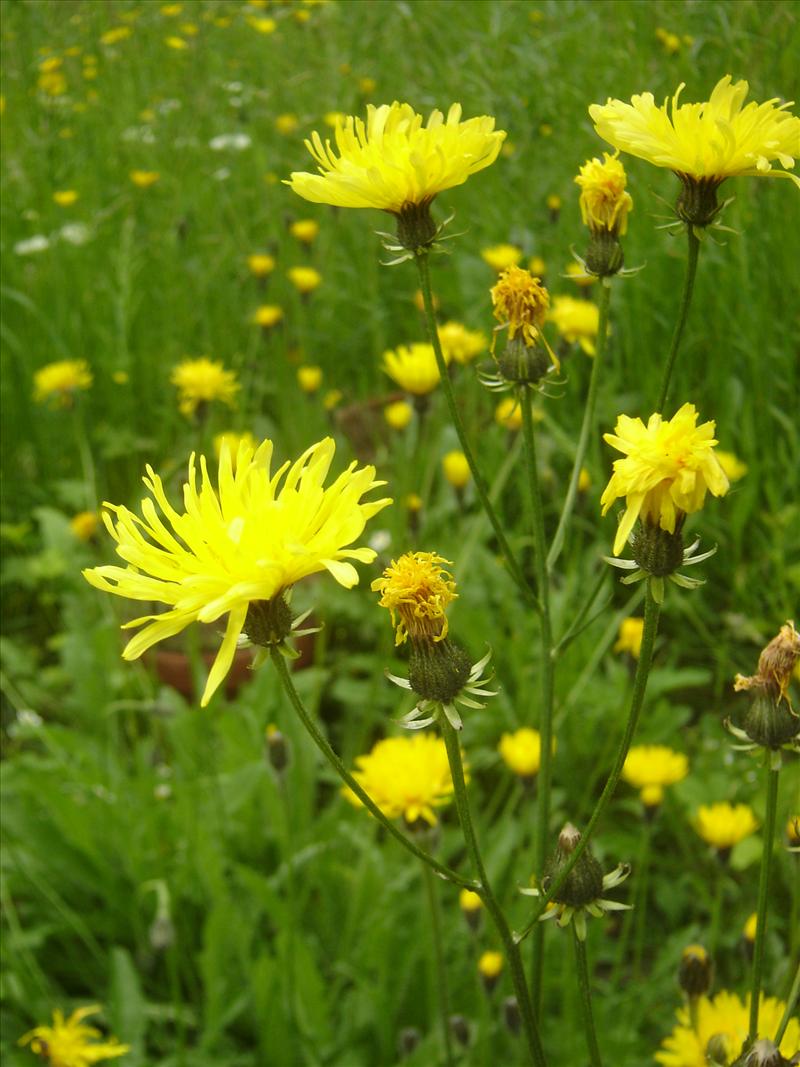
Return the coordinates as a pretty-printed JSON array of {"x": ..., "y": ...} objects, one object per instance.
[
  {"x": 413, "y": 502},
  {"x": 604, "y": 201},
  {"x": 58, "y": 382},
  {"x": 501, "y": 257},
  {"x": 268, "y": 315},
  {"x": 545, "y": 129},
  {"x": 84, "y": 525},
  {"x": 171, "y": 11},
  {"x": 120, "y": 377},
  {"x": 460, "y": 344},
  {"x": 232, "y": 439},
  {"x": 262, "y": 24},
  {"x": 417, "y": 591},
  {"x": 520, "y": 303},
  {"x": 731, "y": 464},
  {"x": 630, "y": 636},
  {"x": 399, "y": 414},
  {"x": 650, "y": 768},
  {"x": 724, "y": 825},
  {"x": 408, "y": 776},
  {"x": 71, "y": 1042},
  {"x": 245, "y": 542},
  {"x": 419, "y": 302},
  {"x": 750, "y": 927},
  {"x": 522, "y": 751},
  {"x": 670, "y": 41},
  {"x": 260, "y": 264},
  {"x": 553, "y": 202},
  {"x": 189, "y": 29},
  {"x": 456, "y": 469},
  {"x": 143, "y": 179},
  {"x": 65, "y": 197},
  {"x": 367, "y": 86},
  {"x": 309, "y": 378},
  {"x": 469, "y": 901},
  {"x": 576, "y": 273},
  {"x": 490, "y": 965},
  {"x": 413, "y": 367},
  {"x": 584, "y": 480},
  {"x": 201, "y": 381},
  {"x": 286, "y": 123},
  {"x": 304, "y": 279},
  {"x": 305, "y": 230},
  {"x": 332, "y": 399},
  {"x": 576, "y": 320},
  {"x": 668, "y": 468},
  {"x": 537, "y": 266},
  {"x": 115, "y": 35},
  {"x": 392, "y": 161},
  {"x": 508, "y": 413},
  {"x": 176, "y": 43},
  {"x": 333, "y": 119}
]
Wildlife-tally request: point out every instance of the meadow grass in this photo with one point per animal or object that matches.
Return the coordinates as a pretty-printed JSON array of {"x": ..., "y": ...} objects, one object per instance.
[{"x": 291, "y": 932}]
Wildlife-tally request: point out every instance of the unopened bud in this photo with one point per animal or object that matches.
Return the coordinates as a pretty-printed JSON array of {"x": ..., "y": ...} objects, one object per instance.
[
  {"x": 161, "y": 934},
  {"x": 695, "y": 971},
  {"x": 490, "y": 967},
  {"x": 459, "y": 1028},
  {"x": 770, "y": 721},
  {"x": 438, "y": 670},
  {"x": 407, "y": 1041},
  {"x": 277, "y": 749},
  {"x": 511, "y": 1015},
  {"x": 764, "y": 1054},
  {"x": 471, "y": 905},
  {"x": 584, "y": 883}
]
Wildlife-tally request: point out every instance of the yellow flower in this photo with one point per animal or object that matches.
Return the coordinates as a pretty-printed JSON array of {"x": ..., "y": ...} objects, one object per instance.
[
  {"x": 669, "y": 466},
  {"x": 750, "y": 927},
  {"x": 65, "y": 197},
  {"x": 199, "y": 381},
  {"x": 710, "y": 141},
  {"x": 399, "y": 414},
  {"x": 501, "y": 257},
  {"x": 70, "y": 1042},
  {"x": 407, "y": 776},
  {"x": 553, "y": 203},
  {"x": 232, "y": 440},
  {"x": 115, "y": 35},
  {"x": 670, "y": 41},
  {"x": 604, "y": 201},
  {"x": 584, "y": 480},
  {"x": 84, "y": 525},
  {"x": 522, "y": 751},
  {"x": 508, "y": 413},
  {"x": 120, "y": 377},
  {"x": 413, "y": 367},
  {"x": 143, "y": 179},
  {"x": 367, "y": 86},
  {"x": 576, "y": 273},
  {"x": 268, "y": 315},
  {"x": 413, "y": 502},
  {"x": 249, "y": 540},
  {"x": 332, "y": 399},
  {"x": 630, "y": 636},
  {"x": 189, "y": 28},
  {"x": 576, "y": 320},
  {"x": 309, "y": 378},
  {"x": 469, "y": 902},
  {"x": 51, "y": 81},
  {"x": 393, "y": 161},
  {"x": 304, "y": 279},
  {"x": 456, "y": 469},
  {"x": 724, "y": 825},
  {"x": 59, "y": 382},
  {"x": 649, "y": 768},
  {"x": 334, "y": 118},
  {"x": 176, "y": 43},
  {"x": 305, "y": 230},
  {"x": 170, "y": 11},
  {"x": 520, "y": 302},
  {"x": 725, "y": 1017},
  {"x": 260, "y": 264},
  {"x": 460, "y": 344},
  {"x": 490, "y": 965},
  {"x": 793, "y": 827},
  {"x": 262, "y": 24},
  {"x": 417, "y": 592},
  {"x": 286, "y": 123},
  {"x": 537, "y": 266},
  {"x": 732, "y": 465}
]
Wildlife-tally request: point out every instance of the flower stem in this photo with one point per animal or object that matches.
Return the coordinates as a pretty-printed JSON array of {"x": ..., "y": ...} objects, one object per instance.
[
  {"x": 423, "y": 269},
  {"x": 651, "y": 613},
  {"x": 586, "y": 999},
  {"x": 322, "y": 744},
  {"x": 683, "y": 312},
  {"x": 587, "y": 426},
  {"x": 544, "y": 777},
  {"x": 484, "y": 889},
  {"x": 441, "y": 972},
  {"x": 791, "y": 1000},
  {"x": 763, "y": 893}
]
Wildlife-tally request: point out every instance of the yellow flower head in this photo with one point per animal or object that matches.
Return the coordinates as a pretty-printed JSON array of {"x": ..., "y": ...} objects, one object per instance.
[
  {"x": 268, "y": 315},
  {"x": 413, "y": 367},
  {"x": 793, "y": 831},
  {"x": 260, "y": 264},
  {"x": 332, "y": 399},
  {"x": 584, "y": 480},
  {"x": 469, "y": 902},
  {"x": 248, "y": 540},
  {"x": 460, "y": 344},
  {"x": 713, "y": 140},
  {"x": 304, "y": 279},
  {"x": 232, "y": 440},
  {"x": 508, "y": 413},
  {"x": 726, "y": 1018},
  {"x": 670, "y": 41},
  {"x": 553, "y": 202},
  {"x": 115, "y": 35},
  {"x": 417, "y": 593},
  {"x": 501, "y": 257},
  {"x": 57, "y": 383},
  {"x": 309, "y": 377},
  {"x": 520, "y": 302},
  {"x": 305, "y": 230},
  {"x": 732, "y": 465},
  {"x": 522, "y": 751},
  {"x": 392, "y": 161},
  {"x": 399, "y": 414},
  {"x": 576, "y": 320},
  {"x": 84, "y": 525},
  {"x": 52, "y": 82},
  {"x": 65, "y": 197},
  {"x": 669, "y": 466},
  {"x": 490, "y": 965},
  {"x": 286, "y": 123},
  {"x": 71, "y": 1042},
  {"x": 456, "y": 469},
  {"x": 725, "y": 825},
  {"x": 630, "y": 636},
  {"x": 578, "y": 274},
  {"x": 649, "y": 768},
  {"x": 200, "y": 381},
  {"x": 143, "y": 179},
  {"x": 407, "y": 776},
  {"x": 750, "y": 927},
  {"x": 604, "y": 202},
  {"x": 262, "y": 24}
]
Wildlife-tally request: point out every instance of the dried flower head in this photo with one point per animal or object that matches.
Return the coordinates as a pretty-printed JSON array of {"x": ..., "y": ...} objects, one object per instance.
[
  {"x": 775, "y": 665},
  {"x": 417, "y": 591},
  {"x": 520, "y": 303}
]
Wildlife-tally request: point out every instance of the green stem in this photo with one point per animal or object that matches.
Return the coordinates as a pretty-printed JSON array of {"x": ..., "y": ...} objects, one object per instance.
[
  {"x": 587, "y": 426},
  {"x": 441, "y": 972},
  {"x": 716, "y": 908},
  {"x": 423, "y": 269},
  {"x": 322, "y": 744},
  {"x": 794, "y": 993},
  {"x": 586, "y": 999},
  {"x": 651, "y": 614},
  {"x": 763, "y": 893},
  {"x": 544, "y": 777},
  {"x": 577, "y": 627},
  {"x": 683, "y": 312},
  {"x": 629, "y": 925},
  {"x": 484, "y": 889}
]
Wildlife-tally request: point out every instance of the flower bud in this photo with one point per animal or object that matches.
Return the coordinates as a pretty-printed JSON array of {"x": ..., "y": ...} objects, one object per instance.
[
  {"x": 407, "y": 1041},
  {"x": 717, "y": 1051},
  {"x": 511, "y": 1015},
  {"x": 459, "y": 1028},
  {"x": 695, "y": 971},
  {"x": 769, "y": 721},
  {"x": 490, "y": 967},
  {"x": 471, "y": 905},
  {"x": 764, "y": 1054},
  {"x": 584, "y": 883},
  {"x": 658, "y": 552},
  {"x": 438, "y": 670},
  {"x": 523, "y": 364},
  {"x": 277, "y": 749}
]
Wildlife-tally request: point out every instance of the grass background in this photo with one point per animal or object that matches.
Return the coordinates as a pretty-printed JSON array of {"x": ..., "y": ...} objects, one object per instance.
[{"x": 288, "y": 912}]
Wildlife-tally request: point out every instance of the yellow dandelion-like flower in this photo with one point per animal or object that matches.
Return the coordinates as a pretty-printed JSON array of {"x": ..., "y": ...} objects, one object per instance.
[
  {"x": 201, "y": 381},
  {"x": 460, "y": 344},
  {"x": 417, "y": 591},
  {"x": 553, "y": 202},
  {"x": 305, "y": 230},
  {"x": 724, "y": 825},
  {"x": 750, "y": 927},
  {"x": 650, "y": 768},
  {"x": 469, "y": 902},
  {"x": 304, "y": 279},
  {"x": 490, "y": 965},
  {"x": 668, "y": 468},
  {"x": 413, "y": 367},
  {"x": 332, "y": 399},
  {"x": 71, "y": 1042},
  {"x": 286, "y": 123},
  {"x": 670, "y": 41},
  {"x": 584, "y": 480},
  {"x": 405, "y": 776},
  {"x": 734, "y": 469},
  {"x": 726, "y": 1019},
  {"x": 508, "y": 413},
  {"x": 630, "y": 636},
  {"x": 268, "y": 315},
  {"x": 520, "y": 303},
  {"x": 57, "y": 383},
  {"x": 231, "y": 440},
  {"x": 456, "y": 469},
  {"x": 399, "y": 414},
  {"x": 143, "y": 179},
  {"x": 51, "y": 82},
  {"x": 260, "y": 264},
  {"x": 576, "y": 321},
  {"x": 309, "y": 378},
  {"x": 115, "y": 35},
  {"x": 65, "y": 197},
  {"x": 710, "y": 141},
  {"x": 392, "y": 160},
  {"x": 578, "y": 274},
  {"x": 604, "y": 201},
  {"x": 248, "y": 540},
  {"x": 177, "y": 44},
  {"x": 262, "y": 24},
  {"x": 84, "y": 525},
  {"x": 521, "y": 751},
  {"x": 501, "y": 257}
]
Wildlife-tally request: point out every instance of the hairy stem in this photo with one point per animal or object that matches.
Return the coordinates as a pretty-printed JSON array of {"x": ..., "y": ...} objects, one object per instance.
[
  {"x": 763, "y": 893},
  {"x": 585, "y": 988},
  {"x": 683, "y": 313},
  {"x": 441, "y": 992}
]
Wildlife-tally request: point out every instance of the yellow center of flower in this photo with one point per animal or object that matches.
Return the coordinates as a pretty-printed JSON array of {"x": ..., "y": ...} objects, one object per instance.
[
  {"x": 521, "y": 303},
  {"x": 417, "y": 592}
]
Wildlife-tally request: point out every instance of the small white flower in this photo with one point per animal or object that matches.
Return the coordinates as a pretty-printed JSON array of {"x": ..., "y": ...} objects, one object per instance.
[
  {"x": 31, "y": 245},
  {"x": 221, "y": 174},
  {"x": 380, "y": 540},
  {"x": 75, "y": 233},
  {"x": 234, "y": 142}
]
